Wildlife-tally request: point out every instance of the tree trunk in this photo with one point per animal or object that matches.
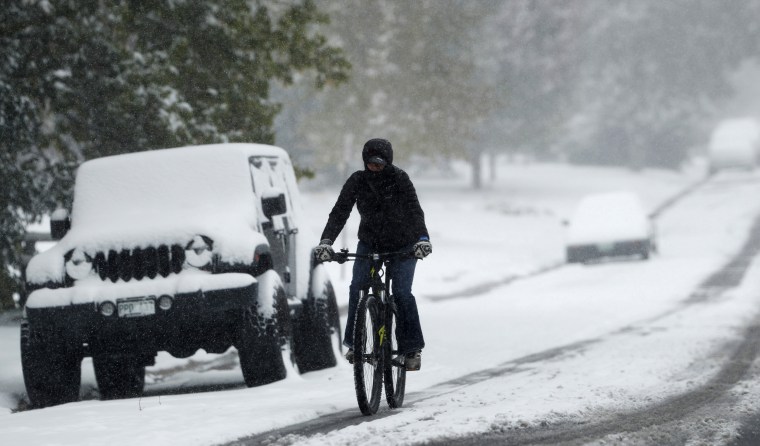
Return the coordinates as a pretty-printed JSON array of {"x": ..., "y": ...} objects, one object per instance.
[
  {"x": 349, "y": 156},
  {"x": 8, "y": 287},
  {"x": 492, "y": 164},
  {"x": 477, "y": 169}
]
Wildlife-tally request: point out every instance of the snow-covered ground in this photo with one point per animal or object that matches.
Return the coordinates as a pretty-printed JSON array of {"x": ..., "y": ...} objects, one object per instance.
[{"x": 643, "y": 343}]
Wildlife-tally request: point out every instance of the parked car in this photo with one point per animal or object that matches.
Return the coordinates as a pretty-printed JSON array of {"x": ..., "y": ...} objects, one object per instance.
[
  {"x": 177, "y": 250},
  {"x": 609, "y": 225},
  {"x": 735, "y": 143}
]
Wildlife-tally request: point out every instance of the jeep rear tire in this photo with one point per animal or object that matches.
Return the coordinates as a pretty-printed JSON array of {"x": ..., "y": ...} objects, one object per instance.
[
  {"x": 52, "y": 370},
  {"x": 119, "y": 376}
]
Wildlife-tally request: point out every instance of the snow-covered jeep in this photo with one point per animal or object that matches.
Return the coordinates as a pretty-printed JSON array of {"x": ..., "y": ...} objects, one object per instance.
[{"x": 177, "y": 250}]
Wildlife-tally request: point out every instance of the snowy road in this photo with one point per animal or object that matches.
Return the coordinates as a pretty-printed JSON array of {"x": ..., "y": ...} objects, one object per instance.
[
  {"x": 675, "y": 420},
  {"x": 620, "y": 352},
  {"x": 708, "y": 408},
  {"x": 664, "y": 423}
]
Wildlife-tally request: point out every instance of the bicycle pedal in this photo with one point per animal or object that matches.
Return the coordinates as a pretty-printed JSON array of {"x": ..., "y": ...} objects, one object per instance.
[
  {"x": 413, "y": 368},
  {"x": 413, "y": 362}
]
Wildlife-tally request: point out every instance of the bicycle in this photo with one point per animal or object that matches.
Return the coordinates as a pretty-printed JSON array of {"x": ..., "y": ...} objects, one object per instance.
[{"x": 375, "y": 342}]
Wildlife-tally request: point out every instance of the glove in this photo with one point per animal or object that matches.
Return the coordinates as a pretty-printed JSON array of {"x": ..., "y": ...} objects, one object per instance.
[
  {"x": 422, "y": 248},
  {"x": 324, "y": 252}
]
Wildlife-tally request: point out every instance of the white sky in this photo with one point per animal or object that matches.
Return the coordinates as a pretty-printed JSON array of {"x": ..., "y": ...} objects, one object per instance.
[{"x": 510, "y": 229}]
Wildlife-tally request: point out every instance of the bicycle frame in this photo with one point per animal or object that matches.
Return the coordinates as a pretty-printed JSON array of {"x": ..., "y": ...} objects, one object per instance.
[{"x": 374, "y": 325}]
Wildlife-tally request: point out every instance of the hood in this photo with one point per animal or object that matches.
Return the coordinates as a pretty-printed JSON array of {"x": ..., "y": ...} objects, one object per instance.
[
  {"x": 378, "y": 147},
  {"x": 234, "y": 241}
]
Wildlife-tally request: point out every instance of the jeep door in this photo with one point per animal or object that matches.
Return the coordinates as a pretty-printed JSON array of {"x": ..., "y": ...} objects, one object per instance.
[{"x": 269, "y": 174}]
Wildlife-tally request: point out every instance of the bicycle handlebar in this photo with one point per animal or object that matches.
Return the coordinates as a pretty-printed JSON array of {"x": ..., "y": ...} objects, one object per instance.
[{"x": 343, "y": 255}]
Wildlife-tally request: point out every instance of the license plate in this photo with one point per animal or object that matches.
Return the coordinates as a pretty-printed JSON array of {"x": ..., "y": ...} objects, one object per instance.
[
  {"x": 606, "y": 247},
  {"x": 137, "y": 307}
]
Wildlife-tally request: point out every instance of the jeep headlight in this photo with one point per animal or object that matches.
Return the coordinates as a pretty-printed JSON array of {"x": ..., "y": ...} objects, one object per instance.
[
  {"x": 198, "y": 253},
  {"x": 78, "y": 264}
]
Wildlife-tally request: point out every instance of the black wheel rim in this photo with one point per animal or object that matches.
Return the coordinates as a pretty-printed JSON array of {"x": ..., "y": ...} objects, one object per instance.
[
  {"x": 395, "y": 372},
  {"x": 368, "y": 357}
]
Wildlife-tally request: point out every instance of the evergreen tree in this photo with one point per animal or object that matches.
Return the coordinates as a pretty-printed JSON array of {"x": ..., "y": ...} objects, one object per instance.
[{"x": 86, "y": 78}]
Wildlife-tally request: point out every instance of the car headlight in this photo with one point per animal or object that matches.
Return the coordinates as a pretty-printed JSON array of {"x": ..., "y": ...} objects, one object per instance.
[
  {"x": 107, "y": 309},
  {"x": 199, "y": 252},
  {"x": 78, "y": 264}
]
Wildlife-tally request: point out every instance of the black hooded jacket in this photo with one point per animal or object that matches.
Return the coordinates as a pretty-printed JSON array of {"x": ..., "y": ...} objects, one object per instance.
[{"x": 391, "y": 216}]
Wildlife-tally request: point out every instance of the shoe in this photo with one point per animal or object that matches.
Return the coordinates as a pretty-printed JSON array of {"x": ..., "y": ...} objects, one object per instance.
[
  {"x": 350, "y": 356},
  {"x": 413, "y": 361},
  {"x": 398, "y": 361}
]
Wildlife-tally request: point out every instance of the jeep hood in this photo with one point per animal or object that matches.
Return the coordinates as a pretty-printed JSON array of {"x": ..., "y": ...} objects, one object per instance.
[
  {"x": 161, "y": 197},
  {"x": 234, "y": 241}
]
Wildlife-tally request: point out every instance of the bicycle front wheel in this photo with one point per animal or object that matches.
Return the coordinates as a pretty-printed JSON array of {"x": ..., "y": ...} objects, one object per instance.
[
  {"x": 394, "y": 370},
  {"x": 368, "y": 355}
]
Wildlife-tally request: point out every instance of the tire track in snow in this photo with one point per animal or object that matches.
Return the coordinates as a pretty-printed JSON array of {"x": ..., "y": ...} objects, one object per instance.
[
  {"x": 483, "y": 288},
  {"x": 352, "y": 417},
  {"x": 734, "y": 369},
  {"x": 669, "y": 411},
  {"x": 673, "y": 409}
]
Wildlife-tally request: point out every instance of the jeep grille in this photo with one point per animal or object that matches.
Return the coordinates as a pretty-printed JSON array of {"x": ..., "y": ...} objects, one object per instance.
[{"x": 139, "y": 263}]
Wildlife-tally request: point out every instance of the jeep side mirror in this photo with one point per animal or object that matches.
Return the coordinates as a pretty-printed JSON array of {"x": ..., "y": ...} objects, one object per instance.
[
  {"x": 60, "y": 223},
  {"x": 274, "y": 205}
]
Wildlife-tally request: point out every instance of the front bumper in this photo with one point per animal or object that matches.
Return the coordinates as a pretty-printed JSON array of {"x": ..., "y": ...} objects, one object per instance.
[
  {"x": 204, "y": 311},
  {"x": 582, "y": 253}
]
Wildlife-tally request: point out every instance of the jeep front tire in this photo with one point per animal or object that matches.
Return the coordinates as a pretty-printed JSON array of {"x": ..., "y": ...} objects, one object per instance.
[
  {"x": 259, "y": 337},
  {"x": 52, "y": 369},
  {"x": 317, "y": 335}
]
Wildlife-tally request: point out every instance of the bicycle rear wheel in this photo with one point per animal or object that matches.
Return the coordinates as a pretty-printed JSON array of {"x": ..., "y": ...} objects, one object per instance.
[
  {"x": 368, "y": 355},
  {"x": 394, "y": 371}
]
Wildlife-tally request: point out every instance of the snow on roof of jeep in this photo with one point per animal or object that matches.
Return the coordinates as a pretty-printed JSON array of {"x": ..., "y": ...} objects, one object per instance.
[{"x": 183, "y": 179}]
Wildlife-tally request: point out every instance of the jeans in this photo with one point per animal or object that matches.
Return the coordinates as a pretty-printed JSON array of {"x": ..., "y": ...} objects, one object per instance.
[{"x": 408, "y": 330}]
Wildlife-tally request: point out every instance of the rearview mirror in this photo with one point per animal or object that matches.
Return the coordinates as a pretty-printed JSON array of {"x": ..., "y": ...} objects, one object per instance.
[
  {"x": 274, "y": 205},
  {"x": 60, "y": 223}
]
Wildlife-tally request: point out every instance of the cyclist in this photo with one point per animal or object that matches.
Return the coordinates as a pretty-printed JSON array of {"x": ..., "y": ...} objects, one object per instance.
[{"x": 391, "y": 220}]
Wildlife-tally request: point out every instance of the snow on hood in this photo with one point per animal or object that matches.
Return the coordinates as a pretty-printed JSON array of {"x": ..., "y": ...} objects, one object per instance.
[
  {"x": 736, "y": 132},
  {"x": 608, "y": 217},
  {"x": 163, "y": 197},
  {"x": 735, "y": 142}
]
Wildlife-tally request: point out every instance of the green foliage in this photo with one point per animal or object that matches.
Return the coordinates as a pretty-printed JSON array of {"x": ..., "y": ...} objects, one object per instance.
[
  {"x": 26, "y": 169},
  {"x": 84, "y": 79},
  {"x": 8, "y": 287},
  {"x": 303, "y": 172}
]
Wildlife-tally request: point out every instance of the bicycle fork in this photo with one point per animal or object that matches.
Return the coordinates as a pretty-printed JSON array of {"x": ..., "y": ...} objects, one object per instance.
[{"x": 381, "y": 333}]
